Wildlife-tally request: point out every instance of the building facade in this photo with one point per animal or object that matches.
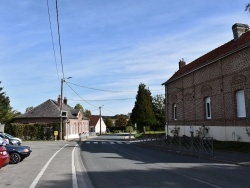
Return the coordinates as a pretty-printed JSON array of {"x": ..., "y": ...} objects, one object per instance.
[
  {"x": 211, "y": 95},
  {"x": 97, "y": 125},
  {"x": 73, "y": 121}
]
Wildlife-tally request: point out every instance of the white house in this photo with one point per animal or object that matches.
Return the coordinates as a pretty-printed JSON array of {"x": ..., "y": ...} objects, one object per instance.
[{"x": 96, "y": 124}]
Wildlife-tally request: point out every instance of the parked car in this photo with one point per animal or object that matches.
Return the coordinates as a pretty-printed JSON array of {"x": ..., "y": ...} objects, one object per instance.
[
  {"x": 11, "y": 141},
  {"x": 17, "y": 153},
  {"x": 4, "y": 139},
  {"x": 10, "y": 137},
  {"x": 4, "y": 156}
]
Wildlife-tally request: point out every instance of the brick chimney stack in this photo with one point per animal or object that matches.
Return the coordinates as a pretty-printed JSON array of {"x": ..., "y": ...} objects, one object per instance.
[
  {"x": 182, "y": 63},
  {"x": 239, "y": 29},
  {"x": 65, "y": 100},
  {"x": 59, "y": 101}
]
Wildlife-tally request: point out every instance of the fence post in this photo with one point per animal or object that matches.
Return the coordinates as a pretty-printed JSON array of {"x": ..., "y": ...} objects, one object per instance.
[{"x": 192, "y": 141}]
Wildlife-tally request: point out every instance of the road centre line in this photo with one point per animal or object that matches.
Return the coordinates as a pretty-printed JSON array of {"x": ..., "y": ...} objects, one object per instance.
[
  {"x": 188, "y": 177},
  {"x": 74, "y": 179},
  {"x": 33, "y": 185}
]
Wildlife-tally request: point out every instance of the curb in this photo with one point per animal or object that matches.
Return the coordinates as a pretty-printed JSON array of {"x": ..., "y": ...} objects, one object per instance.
[{"x": 214, "y": 158}]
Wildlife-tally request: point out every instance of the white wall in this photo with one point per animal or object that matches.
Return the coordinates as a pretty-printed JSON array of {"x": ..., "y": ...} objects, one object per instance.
[
  {"x": 222, "y": 133},
  {"x": 103, "y": 126},
  {"x": 1, "y": 127}
]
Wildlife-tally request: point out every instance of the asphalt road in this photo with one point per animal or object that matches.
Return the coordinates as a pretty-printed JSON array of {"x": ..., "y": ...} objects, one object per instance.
[
  {"x": 113, "y": 164},
  {"x": 49, "y": 165},
  {"x": 108, "y": 162}
]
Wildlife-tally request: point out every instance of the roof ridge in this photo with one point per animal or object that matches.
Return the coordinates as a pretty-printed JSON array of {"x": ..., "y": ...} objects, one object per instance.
[{"x": 225, "y": 49}]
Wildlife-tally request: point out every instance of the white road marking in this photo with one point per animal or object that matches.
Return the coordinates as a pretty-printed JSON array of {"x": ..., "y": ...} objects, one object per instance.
[
  {"x": 74, "y": 179},
  {"x": 102, "y": 142},
  {"x": 33, "y": 185}
]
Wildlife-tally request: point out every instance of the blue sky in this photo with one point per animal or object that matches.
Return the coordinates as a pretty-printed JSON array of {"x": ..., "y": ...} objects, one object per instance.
[{"x": 111, "y": 45}]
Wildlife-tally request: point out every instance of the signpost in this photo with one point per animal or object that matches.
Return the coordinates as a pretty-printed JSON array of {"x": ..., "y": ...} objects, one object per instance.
[{"x": 55, "y": 134}]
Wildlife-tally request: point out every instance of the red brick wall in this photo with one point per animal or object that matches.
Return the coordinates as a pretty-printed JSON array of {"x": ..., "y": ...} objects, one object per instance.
[{"x": 219, "y": 80}]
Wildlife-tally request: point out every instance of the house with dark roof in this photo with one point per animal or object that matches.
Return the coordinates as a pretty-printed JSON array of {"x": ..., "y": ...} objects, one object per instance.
[
  {"x": 96, "y": 124},
  {"x": 50, "y": 112},
  {"x": 211, "y": 95}
]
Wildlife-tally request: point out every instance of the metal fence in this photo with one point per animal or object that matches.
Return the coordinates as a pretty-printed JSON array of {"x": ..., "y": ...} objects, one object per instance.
[{"x": 199, "y": 145}]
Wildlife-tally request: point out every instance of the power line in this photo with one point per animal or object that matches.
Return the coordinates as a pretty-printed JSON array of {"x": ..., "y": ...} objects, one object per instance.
[
  {"x": 52, "y": 39},
  {"x": 109, "y": 110},
  {"x": 79, "y": 95},
  {"x": 112, "y": 91},
  {"x": 86, "y": 100},
  {"x": 110, "y": 99},
  {"x": 106, "y": 99},
  {"x": 58, "y": 30}
]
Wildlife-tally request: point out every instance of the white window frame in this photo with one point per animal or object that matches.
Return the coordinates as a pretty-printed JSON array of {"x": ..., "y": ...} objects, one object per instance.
[
  {"x": 208, "y": 107},
  {"x": 240, "y": 104},
  {"x": 175, "y": 111}
]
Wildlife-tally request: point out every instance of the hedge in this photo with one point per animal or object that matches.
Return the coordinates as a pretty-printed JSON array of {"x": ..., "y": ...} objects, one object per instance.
[{"x": 36, "y": 131}]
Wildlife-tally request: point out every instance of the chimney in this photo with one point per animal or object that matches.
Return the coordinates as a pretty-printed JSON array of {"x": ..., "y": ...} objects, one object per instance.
[
  {"x": 182, "y": 63},
  {"x": 65, "y": 100},
  {"x": 239, "y": 29},
  {"x": 59, "y": 101}
]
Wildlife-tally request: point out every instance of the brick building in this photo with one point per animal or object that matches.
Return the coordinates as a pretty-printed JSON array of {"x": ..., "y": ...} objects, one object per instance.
[
  {"x": 49, "y": 112},
  {"x": 211, "y": 95}
]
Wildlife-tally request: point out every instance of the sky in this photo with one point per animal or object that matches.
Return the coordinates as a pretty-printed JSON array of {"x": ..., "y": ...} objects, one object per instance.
[{"x": 108, "y": 47}]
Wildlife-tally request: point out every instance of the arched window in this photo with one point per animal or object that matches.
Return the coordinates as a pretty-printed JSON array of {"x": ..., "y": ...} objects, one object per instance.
[
  {"x": 241, "y": 104},
  {"x": 208, "y": 107},
  {"x": 174, "y": 112}
]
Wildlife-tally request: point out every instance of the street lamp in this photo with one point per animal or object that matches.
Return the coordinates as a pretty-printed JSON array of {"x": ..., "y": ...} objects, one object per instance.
[
  {"x": 101, "y": 119},
  {"x": 62, "y": 80}
]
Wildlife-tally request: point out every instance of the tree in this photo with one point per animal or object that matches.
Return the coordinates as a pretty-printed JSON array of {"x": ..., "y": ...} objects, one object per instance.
[
  {"x": 6, "y": 112},
  {"x": 4, "y": 105},
  {"x": 29, "y": 108},
  {"x": 159, "y": 110},
  {"x": 79, "y": 107},
  {"x": 121, "y": 121},
  {"x": 87, "y": 113},
  {"x": 108, "y": 122},
  {"x": 248, "y": 8},
  {"x": 142, "y": 113}
]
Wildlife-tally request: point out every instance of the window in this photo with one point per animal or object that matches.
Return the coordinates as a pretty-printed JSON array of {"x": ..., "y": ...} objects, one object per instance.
[
  {"x": 241, "y": 104},
  {"x": 174, "y": 112},
  {"x": 208, "y": 107}
]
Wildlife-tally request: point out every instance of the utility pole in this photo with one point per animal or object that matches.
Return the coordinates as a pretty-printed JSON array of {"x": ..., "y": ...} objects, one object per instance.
[
  {"x": 100, "y": 108},
  {"x": 61, "y": 109},
  {"x": 61, "y": 103}
]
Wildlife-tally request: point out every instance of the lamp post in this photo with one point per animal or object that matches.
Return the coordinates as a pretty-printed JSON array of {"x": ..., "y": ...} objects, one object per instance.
[
  {"x": 100, "y": 108},
  {"x": 61, "y": 120}
]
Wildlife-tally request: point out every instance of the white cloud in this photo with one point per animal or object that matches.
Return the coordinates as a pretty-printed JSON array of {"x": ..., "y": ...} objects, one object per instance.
[{"x": 112, "y": 45}]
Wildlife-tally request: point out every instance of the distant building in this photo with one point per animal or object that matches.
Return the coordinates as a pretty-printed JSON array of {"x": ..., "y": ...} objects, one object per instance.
[
  {"x": 49, "y": 112},
  {"x": 95, "y": 123},
  {"x": 211, "y": 95}
]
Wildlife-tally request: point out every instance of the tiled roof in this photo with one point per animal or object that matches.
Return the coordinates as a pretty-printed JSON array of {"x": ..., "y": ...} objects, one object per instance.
[
  {"x": 220, "y": 52},
  {"x": 50, "y": 109},
  {"x": 93, "y": 120}
]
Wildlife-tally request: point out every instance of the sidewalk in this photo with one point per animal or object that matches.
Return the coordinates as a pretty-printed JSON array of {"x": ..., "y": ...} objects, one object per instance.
[{"x": 237, "y": 158}]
